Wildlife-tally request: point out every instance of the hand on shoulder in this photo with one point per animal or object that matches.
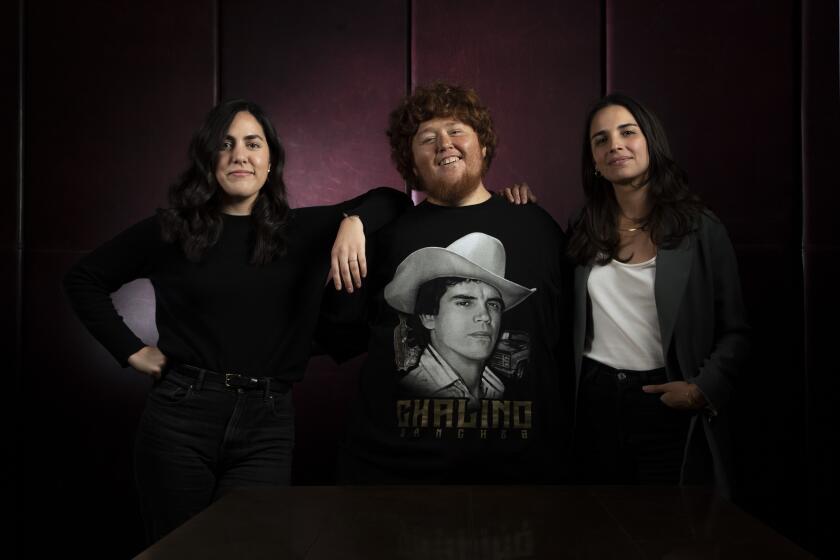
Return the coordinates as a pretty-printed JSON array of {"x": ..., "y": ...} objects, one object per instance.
[{"x": 519, "y": 193}]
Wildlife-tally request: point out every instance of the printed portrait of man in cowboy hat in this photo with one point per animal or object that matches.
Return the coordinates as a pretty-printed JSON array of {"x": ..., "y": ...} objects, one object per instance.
[{"x": 454, "y": 298}]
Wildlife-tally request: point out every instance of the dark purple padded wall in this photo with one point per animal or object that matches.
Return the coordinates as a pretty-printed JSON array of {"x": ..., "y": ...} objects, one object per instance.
[
  {"x": 820, "y": 123},
  {"x": 114, "y": 90},
  {"x": 9, "y": 140},
  {"x": 115, "y": 97},
  {"x": 722, "y": 76},
  {"x": 328, "y": 73},
  {"x": 113, "y": 93},
  {"x": 536, "y": 65},
  {"x": 9, "y": 36},
  {"x": 9, "y": 109}
]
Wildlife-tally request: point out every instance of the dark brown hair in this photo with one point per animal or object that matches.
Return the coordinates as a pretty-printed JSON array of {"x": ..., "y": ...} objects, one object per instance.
[
  {"x": 675, "y": 210},
  {"x": 194, "y": 218},
  {"x": 435, "y": 101}
]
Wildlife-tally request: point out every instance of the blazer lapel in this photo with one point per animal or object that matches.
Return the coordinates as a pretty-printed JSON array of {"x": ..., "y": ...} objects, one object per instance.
[
  {"x": 581, "y": 278},
  {"x": 673, "y": 267}
]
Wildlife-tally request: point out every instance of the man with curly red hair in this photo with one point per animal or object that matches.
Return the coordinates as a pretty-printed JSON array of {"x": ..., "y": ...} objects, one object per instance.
[
  {"x": 434, "y": 125},
  {"x": 443, "y": 142}
]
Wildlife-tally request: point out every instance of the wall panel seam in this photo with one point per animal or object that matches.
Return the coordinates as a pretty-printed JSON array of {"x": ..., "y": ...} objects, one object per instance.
[
  {"x": 215, "y": 46},
  {"x": 409, "y": 60},
  {"x": 16, "y": 468},
  {"x": 19, "y": 239},
  {"x": 604, "y": 47},
  {"x": 809, "y": 494}
]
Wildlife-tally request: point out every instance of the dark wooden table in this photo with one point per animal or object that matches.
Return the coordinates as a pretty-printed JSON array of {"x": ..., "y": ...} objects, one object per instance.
[{"x": 460, "y": 522}]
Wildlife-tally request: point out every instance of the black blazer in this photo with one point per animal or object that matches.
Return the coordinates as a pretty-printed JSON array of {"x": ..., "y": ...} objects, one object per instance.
[{"x": 703, "y": 327}]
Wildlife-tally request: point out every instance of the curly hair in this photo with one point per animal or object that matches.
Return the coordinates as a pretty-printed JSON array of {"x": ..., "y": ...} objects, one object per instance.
[
  {"x": 437, "y": 100},
  {"x": 675, "y": 209},
  {"x": 194, "y": 219}
]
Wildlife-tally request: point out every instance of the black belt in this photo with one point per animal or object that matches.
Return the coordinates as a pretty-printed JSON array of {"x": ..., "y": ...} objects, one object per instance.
[
  {"x": 648, "y": 377},
  {"x": 231, "y": 380}
]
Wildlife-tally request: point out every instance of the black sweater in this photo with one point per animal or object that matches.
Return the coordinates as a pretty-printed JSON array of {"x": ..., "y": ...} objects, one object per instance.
[
  {"x": 224, "y": 313},
  {"x": 399, "y": 432}
]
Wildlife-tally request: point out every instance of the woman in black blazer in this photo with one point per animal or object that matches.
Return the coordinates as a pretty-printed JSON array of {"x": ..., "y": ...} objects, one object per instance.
[{"x": 660, "y": 333}]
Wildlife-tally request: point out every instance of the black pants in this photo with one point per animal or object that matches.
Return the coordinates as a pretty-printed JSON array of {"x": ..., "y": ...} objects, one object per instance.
[
  {"x": 198, "y": 438},
  {"x": 626, "y": 436}
]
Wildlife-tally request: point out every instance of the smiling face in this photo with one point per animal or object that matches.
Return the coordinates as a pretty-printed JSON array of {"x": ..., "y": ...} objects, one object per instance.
[
  {"x": 448, "y": 159},
  {"x": 243, "y": 164},
  {"x": 466, "y": 326},
  {"x": 619, "y": 148}
]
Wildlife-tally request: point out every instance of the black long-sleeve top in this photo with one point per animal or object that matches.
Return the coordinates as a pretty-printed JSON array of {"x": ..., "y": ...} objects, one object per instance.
[{"x": 224, "y": 313}]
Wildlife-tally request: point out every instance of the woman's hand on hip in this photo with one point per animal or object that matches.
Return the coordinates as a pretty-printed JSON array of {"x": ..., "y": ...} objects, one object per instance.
[
  {"x": 678, "y": 394},
  {"x": 149, "y": 360},
  {"x": 347, "y": 264}
]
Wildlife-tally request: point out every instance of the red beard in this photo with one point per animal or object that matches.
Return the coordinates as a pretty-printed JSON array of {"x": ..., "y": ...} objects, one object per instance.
[{"x": 450, "y": 194}]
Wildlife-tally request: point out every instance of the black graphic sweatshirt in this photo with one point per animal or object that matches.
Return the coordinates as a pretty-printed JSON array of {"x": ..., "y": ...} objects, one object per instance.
[{"x": 414, "y": 421}]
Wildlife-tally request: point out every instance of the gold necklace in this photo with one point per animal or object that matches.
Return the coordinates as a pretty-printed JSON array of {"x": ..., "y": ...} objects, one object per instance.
[{"x": 641, "y": 226}]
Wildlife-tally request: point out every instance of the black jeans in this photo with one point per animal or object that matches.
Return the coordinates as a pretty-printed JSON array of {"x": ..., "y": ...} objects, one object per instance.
[
  {"x": 197, "y": 439},
  {"x": 624, "y": 435}
]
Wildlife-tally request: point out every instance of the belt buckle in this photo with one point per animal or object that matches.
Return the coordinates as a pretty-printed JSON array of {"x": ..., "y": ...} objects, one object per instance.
[{"x": 235, "y": 380}]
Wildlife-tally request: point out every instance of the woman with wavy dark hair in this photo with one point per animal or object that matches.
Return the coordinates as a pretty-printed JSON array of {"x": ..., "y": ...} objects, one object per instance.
[
  {"x": 197, "y": 203},
  {"x": 238, "y": 279},
  {"x": 660, "y": 333}
]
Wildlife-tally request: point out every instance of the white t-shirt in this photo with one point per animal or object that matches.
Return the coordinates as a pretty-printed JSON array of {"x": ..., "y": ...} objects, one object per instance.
[{"x": 625, "y": 323}]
